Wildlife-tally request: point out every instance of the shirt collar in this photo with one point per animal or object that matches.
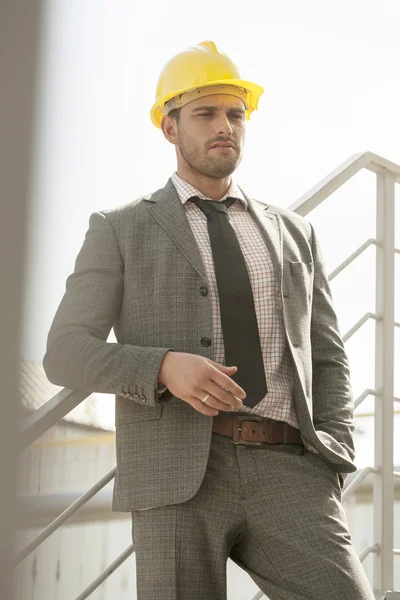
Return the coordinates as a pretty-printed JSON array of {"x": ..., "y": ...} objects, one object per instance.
[{"x": 187, "y": 190}]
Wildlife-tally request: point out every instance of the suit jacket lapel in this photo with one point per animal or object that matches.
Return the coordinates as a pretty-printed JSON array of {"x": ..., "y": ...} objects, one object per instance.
[
  {"x": 166, "y": 208},
  {"x": 169, "y": 213}
]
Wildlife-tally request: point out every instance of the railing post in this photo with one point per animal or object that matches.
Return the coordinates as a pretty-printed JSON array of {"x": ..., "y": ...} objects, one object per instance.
[{"x": 384, "y": 383}]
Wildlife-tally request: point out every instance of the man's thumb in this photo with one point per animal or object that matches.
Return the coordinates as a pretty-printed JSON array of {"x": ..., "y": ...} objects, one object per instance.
[
  {"x": 229, "y": 369},
  {"x": 221, "y": 367}
]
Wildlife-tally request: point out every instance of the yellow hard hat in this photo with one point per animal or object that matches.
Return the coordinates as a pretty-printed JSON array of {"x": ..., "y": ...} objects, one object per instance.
[{"x": 196, "y": 68}]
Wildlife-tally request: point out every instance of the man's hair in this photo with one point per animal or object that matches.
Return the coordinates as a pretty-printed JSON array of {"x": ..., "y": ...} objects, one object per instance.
[{"x": 175, "y": 113}]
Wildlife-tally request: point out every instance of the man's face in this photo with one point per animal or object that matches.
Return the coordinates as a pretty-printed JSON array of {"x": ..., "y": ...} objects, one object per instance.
[{"x": 211, "y": 132}]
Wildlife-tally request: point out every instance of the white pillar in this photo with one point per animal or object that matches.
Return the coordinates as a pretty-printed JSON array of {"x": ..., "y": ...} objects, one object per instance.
[{"x": 19, "y": 40}]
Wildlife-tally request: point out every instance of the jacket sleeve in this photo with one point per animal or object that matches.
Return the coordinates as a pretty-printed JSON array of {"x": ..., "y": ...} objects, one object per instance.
[
  {"x": 333, "y": 406},
  {"x": 77, "y": 354}
]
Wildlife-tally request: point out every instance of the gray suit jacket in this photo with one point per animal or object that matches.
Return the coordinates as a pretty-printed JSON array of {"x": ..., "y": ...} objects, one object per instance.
[{"x": 140, "y": 271}]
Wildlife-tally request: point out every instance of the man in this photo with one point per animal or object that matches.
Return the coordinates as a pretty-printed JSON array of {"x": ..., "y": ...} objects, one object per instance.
[{"x": 234, "y": 413}]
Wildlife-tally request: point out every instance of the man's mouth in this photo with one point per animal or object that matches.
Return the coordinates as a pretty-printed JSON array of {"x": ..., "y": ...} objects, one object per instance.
[{"x": 223, "y": 145}]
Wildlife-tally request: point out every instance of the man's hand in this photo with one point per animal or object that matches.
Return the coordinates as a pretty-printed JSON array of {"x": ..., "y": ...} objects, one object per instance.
[{"x": 191, "y": 377}]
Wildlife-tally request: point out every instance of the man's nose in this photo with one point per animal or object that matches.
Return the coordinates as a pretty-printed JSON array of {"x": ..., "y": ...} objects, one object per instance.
[{"x": 224, "y": 126}]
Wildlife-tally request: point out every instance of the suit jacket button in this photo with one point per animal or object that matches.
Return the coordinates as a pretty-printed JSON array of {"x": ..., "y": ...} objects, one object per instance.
[
  {"x": 143, "y": 399},
  {"x": 129, "y": 396},
  {"x": 123, "y": 395},
  {"x": 205, "y": 341},
  {"x": 203, "y": 290},
  {"x": 135, "y": 397}
]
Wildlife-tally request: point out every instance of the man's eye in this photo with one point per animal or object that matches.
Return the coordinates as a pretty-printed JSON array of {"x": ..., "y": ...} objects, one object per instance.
[{"x": 236, "y": 116}]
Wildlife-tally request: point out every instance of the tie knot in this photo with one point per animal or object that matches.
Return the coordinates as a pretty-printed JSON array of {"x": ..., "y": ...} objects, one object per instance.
[{"x": 212, "y": 206}]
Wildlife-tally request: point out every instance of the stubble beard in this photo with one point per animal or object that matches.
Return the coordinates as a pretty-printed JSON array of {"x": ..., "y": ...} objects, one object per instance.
[{"x": 213, "y": 167}]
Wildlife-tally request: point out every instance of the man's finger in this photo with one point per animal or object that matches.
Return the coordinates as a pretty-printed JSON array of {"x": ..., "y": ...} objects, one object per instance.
[{"x": 224, "y": 388}]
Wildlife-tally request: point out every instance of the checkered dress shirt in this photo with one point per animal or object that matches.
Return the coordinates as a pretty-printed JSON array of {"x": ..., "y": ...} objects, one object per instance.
[{"x": 278, "y": 403}]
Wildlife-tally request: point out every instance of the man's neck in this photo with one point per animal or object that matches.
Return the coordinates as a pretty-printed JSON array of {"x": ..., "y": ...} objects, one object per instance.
[{"x": 215, "y": 189}]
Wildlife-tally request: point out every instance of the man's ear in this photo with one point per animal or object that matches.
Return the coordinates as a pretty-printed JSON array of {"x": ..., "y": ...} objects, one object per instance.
[{"x": 169, "y": 127}]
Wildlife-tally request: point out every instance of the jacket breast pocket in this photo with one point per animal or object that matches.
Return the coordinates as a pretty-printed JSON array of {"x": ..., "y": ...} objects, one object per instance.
[
  {"x": 298, "y": 279},
  {"x": 301, "y": 275}
]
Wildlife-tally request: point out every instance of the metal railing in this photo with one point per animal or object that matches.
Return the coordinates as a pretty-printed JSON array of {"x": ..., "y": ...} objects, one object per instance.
[{"x": 387, "y": 175}]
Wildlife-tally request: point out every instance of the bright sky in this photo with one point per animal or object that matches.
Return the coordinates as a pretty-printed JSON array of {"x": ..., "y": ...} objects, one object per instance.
[{"x": 332, "y": 88}]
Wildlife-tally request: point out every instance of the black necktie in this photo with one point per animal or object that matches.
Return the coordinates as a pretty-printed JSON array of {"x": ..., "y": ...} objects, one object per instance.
[{"x": 238, "y": 315}]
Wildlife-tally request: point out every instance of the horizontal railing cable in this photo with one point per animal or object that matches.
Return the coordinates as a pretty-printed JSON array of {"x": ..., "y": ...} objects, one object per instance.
[
  {"x": 351, "y": 258},
  {"x": 367, "y": 392},
  {"x": 43, "y": 418},
  {"x": 359, "y": 324},
  {"x": 65, "y": 515},
  {"x": 106, "y": 573},
  {"x": 373, "y": 549},
  {"x": 358, "y": 479}
]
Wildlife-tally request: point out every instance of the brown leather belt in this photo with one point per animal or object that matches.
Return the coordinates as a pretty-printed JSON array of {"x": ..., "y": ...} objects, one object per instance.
[{"x": 254, "y": 430}]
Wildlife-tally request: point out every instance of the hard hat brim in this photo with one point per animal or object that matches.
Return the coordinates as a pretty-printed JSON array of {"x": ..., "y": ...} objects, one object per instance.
[{"x": 254, "y": 93}]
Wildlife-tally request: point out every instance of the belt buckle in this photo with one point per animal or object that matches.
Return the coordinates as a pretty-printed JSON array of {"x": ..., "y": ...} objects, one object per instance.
[{"x": 236, "y": 436}]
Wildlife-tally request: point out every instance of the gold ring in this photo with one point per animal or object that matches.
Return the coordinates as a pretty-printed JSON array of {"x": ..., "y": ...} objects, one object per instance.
[{"x": 206, "y": 398}]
